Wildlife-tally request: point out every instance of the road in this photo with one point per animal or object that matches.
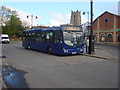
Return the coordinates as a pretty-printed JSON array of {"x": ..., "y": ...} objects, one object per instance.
[{"x": 41, "y": 70}]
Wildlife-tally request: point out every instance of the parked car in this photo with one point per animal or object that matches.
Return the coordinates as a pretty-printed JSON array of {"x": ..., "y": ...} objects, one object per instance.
[{"x": 4, "y": 38}]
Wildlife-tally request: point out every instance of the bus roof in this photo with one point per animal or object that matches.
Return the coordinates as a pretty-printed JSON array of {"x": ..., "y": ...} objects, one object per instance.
[
  {"x": 43, "y": 29},
  {"x": 54, "y": 28}
]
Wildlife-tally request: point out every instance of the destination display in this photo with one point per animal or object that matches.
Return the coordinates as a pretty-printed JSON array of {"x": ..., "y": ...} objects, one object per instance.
[{"x": 71, "y": 28}]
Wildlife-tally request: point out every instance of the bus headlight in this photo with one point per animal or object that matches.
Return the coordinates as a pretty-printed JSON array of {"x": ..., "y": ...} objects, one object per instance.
[
  {"x": 81, "y": 49},
  {"x": 65, "y": 50}
]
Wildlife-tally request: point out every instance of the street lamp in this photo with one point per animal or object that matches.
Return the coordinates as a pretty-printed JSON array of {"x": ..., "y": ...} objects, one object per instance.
[
  {"x": 91, "y": 44},
  {"x": 88, "y": 18},
  {"x": 32, "y": 19},
  {"x": 88, "y": 15}
]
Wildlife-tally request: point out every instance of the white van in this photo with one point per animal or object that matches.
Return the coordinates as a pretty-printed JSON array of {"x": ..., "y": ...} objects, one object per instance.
[{"x": 4, "y": 38}]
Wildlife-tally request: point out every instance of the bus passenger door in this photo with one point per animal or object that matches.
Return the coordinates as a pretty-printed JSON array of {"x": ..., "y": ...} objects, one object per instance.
[
  {"x": 38, "y": 41},
  {"x": 57, "y": 42}
]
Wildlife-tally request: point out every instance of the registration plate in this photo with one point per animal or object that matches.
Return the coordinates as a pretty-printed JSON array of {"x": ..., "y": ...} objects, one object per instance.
[{"x": 74, "y": 52}]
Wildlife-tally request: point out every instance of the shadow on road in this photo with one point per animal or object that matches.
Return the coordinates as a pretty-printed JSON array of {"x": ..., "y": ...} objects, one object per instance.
[
  {"x": 2, "y": 56},
  {"x": 13, "y": 77}
]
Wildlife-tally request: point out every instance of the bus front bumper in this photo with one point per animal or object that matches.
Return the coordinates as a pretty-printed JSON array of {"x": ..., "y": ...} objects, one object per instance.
[{"x": 72, "y": 51}]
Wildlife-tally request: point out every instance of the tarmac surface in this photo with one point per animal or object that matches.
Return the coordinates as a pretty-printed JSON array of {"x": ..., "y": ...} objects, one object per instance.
[{"x": 40, "y": 70}]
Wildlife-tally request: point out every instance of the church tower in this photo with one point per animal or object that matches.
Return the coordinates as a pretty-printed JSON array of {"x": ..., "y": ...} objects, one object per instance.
[{"x": 75, "y": 18}]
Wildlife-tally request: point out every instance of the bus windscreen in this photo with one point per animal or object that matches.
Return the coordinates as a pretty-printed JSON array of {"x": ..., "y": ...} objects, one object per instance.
[{"x": 72, "y": 38}]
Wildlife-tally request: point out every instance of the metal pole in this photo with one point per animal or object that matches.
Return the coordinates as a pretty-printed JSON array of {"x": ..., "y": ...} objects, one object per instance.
[
  {"x": 91, "y": 29},
  {"x": 91, "y": 17},
  {"x": 31, "y": 21},
  {"x": 31, "y": 16},
  {"x": 88, "y": 21},
  {"x": 88, "y": 18}
]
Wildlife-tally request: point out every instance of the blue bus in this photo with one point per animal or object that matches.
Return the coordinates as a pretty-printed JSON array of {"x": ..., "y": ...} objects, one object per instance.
[{"x": 62, "y": 40}]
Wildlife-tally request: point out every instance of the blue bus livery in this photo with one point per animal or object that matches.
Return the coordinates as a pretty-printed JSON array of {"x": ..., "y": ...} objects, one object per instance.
[{"x": 54, "y": 40}]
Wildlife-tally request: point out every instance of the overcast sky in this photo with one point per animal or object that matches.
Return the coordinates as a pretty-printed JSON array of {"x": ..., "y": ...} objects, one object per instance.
[{"x": 56, "y": 13}]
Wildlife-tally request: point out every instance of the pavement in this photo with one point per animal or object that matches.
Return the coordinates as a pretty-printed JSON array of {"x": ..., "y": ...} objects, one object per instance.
[{"x": 102, "y": 54}]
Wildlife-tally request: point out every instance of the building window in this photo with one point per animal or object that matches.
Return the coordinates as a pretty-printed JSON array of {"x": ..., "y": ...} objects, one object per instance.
[
  {"x": 102, "y": 37},
  {"x": 109, "y": 36},
  {"x": 106, "y": 20}
]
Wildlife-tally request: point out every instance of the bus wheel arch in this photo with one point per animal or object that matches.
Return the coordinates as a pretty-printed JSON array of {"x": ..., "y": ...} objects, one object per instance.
[
  {"x": 29, "y": 47},
  {"x": 49, "y": 49}
]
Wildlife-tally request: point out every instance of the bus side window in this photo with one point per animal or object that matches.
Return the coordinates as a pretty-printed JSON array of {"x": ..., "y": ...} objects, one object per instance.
[
  {"x": 49, "y": 36},
  {"x": 43, "y": 36},
  {"x": 33, "y": 36},
  {"x": 23, "y": 36},
  {"x": 57, "y": 37},
  {"x": 30, "y": 36},
  {"x": 37, "y": 36},
  {"x": 26, "y": 37}
]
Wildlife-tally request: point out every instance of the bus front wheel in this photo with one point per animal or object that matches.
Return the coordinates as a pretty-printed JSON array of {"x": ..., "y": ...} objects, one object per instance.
[
  {"x": 49, "y": 50},
  {"x": 29, "y": 47}
]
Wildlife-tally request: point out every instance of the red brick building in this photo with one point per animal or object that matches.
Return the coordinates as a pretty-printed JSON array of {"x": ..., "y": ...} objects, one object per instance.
[{"x": 106, "y": 28}]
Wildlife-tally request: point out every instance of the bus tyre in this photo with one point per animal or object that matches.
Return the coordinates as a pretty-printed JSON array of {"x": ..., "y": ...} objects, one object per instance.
[
  {"x": 49, "y": 50},
  {"x": 29, "y": 47}
]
